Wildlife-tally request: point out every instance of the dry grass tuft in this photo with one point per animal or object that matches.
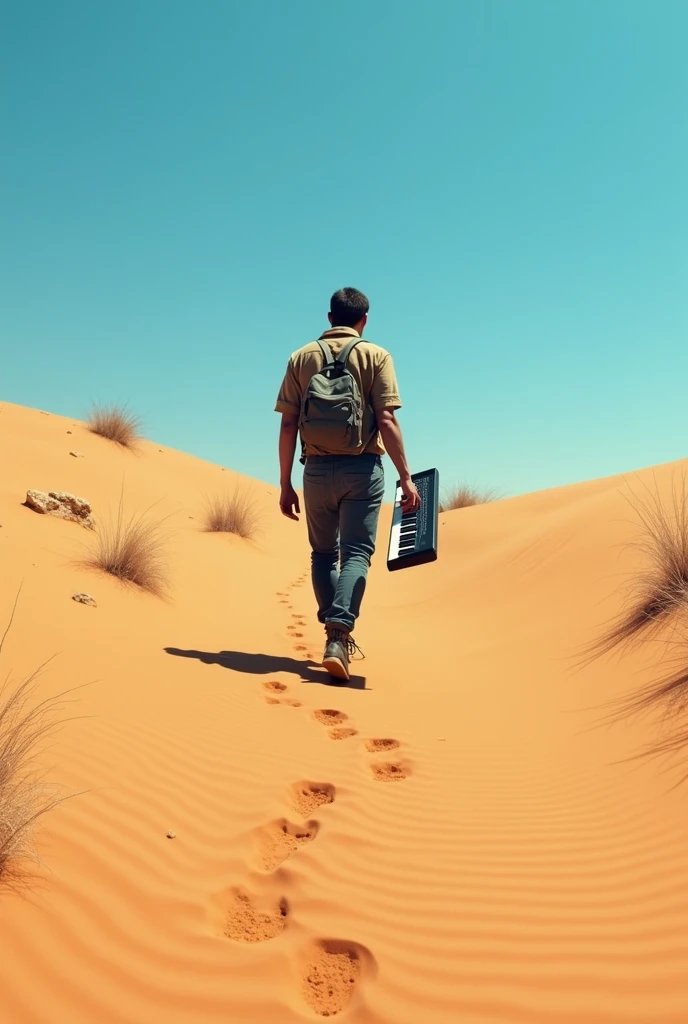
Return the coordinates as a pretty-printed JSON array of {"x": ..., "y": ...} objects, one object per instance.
[
  {"x": 661, "y": 587},
  {"x": 24, "y": 796},
  {"x": 232, "y": 512},
  {"x": 666, "y": 701},
  {"x": 115, "y": 423},
  {"x": 463, "y": 496},
  {"x": 133, "y": 550}
]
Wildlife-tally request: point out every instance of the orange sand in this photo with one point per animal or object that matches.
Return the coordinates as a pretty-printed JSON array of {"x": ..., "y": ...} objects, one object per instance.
[{"x": 451, "y": 843}]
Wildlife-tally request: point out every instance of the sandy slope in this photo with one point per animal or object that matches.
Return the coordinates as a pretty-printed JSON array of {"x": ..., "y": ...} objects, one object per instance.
[{"x": 517, "y": 873}]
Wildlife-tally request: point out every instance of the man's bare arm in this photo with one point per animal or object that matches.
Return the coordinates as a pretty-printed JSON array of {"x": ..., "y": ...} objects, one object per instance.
[
  {"x": 289, "y": 430},
  {"x": 394, "y": 443}
]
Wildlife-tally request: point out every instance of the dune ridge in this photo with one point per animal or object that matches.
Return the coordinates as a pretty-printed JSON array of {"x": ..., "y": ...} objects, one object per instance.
[{"x": 474, "y": 849}]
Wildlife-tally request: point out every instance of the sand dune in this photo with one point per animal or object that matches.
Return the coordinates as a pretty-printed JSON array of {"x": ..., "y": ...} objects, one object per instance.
[{"x": 446, "y": 841}]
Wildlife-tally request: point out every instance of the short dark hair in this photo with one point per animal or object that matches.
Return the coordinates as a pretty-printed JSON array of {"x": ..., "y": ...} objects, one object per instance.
[{"x": 347, "y": 307}]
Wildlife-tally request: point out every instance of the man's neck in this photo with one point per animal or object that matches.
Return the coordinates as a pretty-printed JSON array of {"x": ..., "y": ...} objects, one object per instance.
[{"x": 341, "y": 327}]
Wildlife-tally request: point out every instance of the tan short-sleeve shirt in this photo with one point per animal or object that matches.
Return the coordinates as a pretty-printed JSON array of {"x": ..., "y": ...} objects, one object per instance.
[{"x": 372, "y": 368}]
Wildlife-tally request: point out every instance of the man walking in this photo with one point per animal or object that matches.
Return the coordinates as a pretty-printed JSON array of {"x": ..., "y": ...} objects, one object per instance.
[{"x": 340, "y": 394}]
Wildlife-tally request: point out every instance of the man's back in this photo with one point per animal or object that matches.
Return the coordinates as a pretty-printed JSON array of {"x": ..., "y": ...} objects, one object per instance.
[{"x": 371, "y": 367}]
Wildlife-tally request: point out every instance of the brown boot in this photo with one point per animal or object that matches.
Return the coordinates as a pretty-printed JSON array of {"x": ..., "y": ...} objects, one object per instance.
[{"x": 336, "y": 656}]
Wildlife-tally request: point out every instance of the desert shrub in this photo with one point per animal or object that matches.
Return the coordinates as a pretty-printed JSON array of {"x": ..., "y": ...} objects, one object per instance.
[
  {"x": 232, "y": 512},
  {"x": 24, "y": 796},
  {"x": 463, "y": 495},
  {"x": 660, "y": 587},
  {"x": 133, "y": 550},
  {"x": 664, "y": 700},
  {"x": 116, "y": 423}
]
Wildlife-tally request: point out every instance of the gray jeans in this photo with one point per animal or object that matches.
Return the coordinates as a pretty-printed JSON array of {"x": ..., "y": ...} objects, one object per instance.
[{"x": 342, "y": 495}]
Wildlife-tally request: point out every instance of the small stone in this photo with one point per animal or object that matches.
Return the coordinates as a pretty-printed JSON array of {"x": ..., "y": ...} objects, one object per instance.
[
  {"x": 69, "y": 431},
  {"x": 77, "y": 455},
  {"x": 85, "y": 599},
  {"x": 61, "y": 504},
  {"x": 171, "y": 835}
]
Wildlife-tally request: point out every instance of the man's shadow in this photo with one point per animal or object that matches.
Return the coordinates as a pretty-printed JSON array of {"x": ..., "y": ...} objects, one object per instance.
[{"x": 268, "y": 664}]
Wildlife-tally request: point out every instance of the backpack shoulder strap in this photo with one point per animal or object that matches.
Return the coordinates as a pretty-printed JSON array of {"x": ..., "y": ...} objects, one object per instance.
[
  {"x": 347, "y": 350},
  {"x": 326, "y": 351}
]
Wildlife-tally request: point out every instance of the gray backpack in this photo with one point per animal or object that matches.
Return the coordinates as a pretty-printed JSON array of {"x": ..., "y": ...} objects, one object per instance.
[{"x": 332, "y": 408}]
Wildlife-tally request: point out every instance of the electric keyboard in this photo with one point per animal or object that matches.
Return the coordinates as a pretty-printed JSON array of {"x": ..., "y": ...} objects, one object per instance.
[{"x": 413, "y": 537}]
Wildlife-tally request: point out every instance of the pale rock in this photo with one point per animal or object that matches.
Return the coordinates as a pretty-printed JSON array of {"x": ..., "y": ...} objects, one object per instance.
[
  {"x": 85, "y": 599},
  {"x": 77, "y": 455},
  {"x": 61, "y": 504}
]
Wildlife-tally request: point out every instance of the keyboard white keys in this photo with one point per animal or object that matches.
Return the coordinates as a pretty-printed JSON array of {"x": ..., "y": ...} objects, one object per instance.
[
  {"x": 413, "y": 535},
  {"x": 395, "y": 534}
]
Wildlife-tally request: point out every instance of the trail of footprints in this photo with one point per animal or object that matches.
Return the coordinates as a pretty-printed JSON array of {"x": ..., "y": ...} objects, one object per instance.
[
  {"x": 383, "y": 771},
  {"x": 329, "y": 970}
]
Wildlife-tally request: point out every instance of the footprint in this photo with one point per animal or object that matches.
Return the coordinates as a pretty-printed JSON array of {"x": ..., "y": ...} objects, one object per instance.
[
  {"x": 389, "y": 771},
  {"x": 329, "y": 716},
  {"x": 245, "y": 921},
  {"x": 342, "y": 733},
  {"x": 289, "y": 703},
  {"x": 279, "y": 839},
  {"x": 330, "y": 971},
  {"x": 376, "y": 745},
  {"x": 292, "y": 630},
  {"x": 307, "y": 796},
  {"x": 300, "y": 647},
  {"x": 272, "y": 700},
  {"x": 274, "y": 686}
]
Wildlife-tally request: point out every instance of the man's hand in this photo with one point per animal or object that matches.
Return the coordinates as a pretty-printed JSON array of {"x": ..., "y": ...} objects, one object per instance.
[
  {"x": 410, "y": 498},
  {"x": 289, "y": 502}
]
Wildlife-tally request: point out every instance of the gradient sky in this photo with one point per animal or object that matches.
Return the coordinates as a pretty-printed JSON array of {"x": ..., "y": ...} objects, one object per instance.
[{"x": 183, "y": 185}]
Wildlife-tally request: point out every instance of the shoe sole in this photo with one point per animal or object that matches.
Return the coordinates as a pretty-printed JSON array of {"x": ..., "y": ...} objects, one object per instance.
[{"x": 336, "y": 668}]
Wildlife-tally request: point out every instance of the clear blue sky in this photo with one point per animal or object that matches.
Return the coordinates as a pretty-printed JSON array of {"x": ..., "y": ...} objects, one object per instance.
[{"x": 184, "y": 184}]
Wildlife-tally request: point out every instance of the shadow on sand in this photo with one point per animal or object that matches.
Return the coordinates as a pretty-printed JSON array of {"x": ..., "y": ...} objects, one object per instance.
[{"x": 268, "y": 664}]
